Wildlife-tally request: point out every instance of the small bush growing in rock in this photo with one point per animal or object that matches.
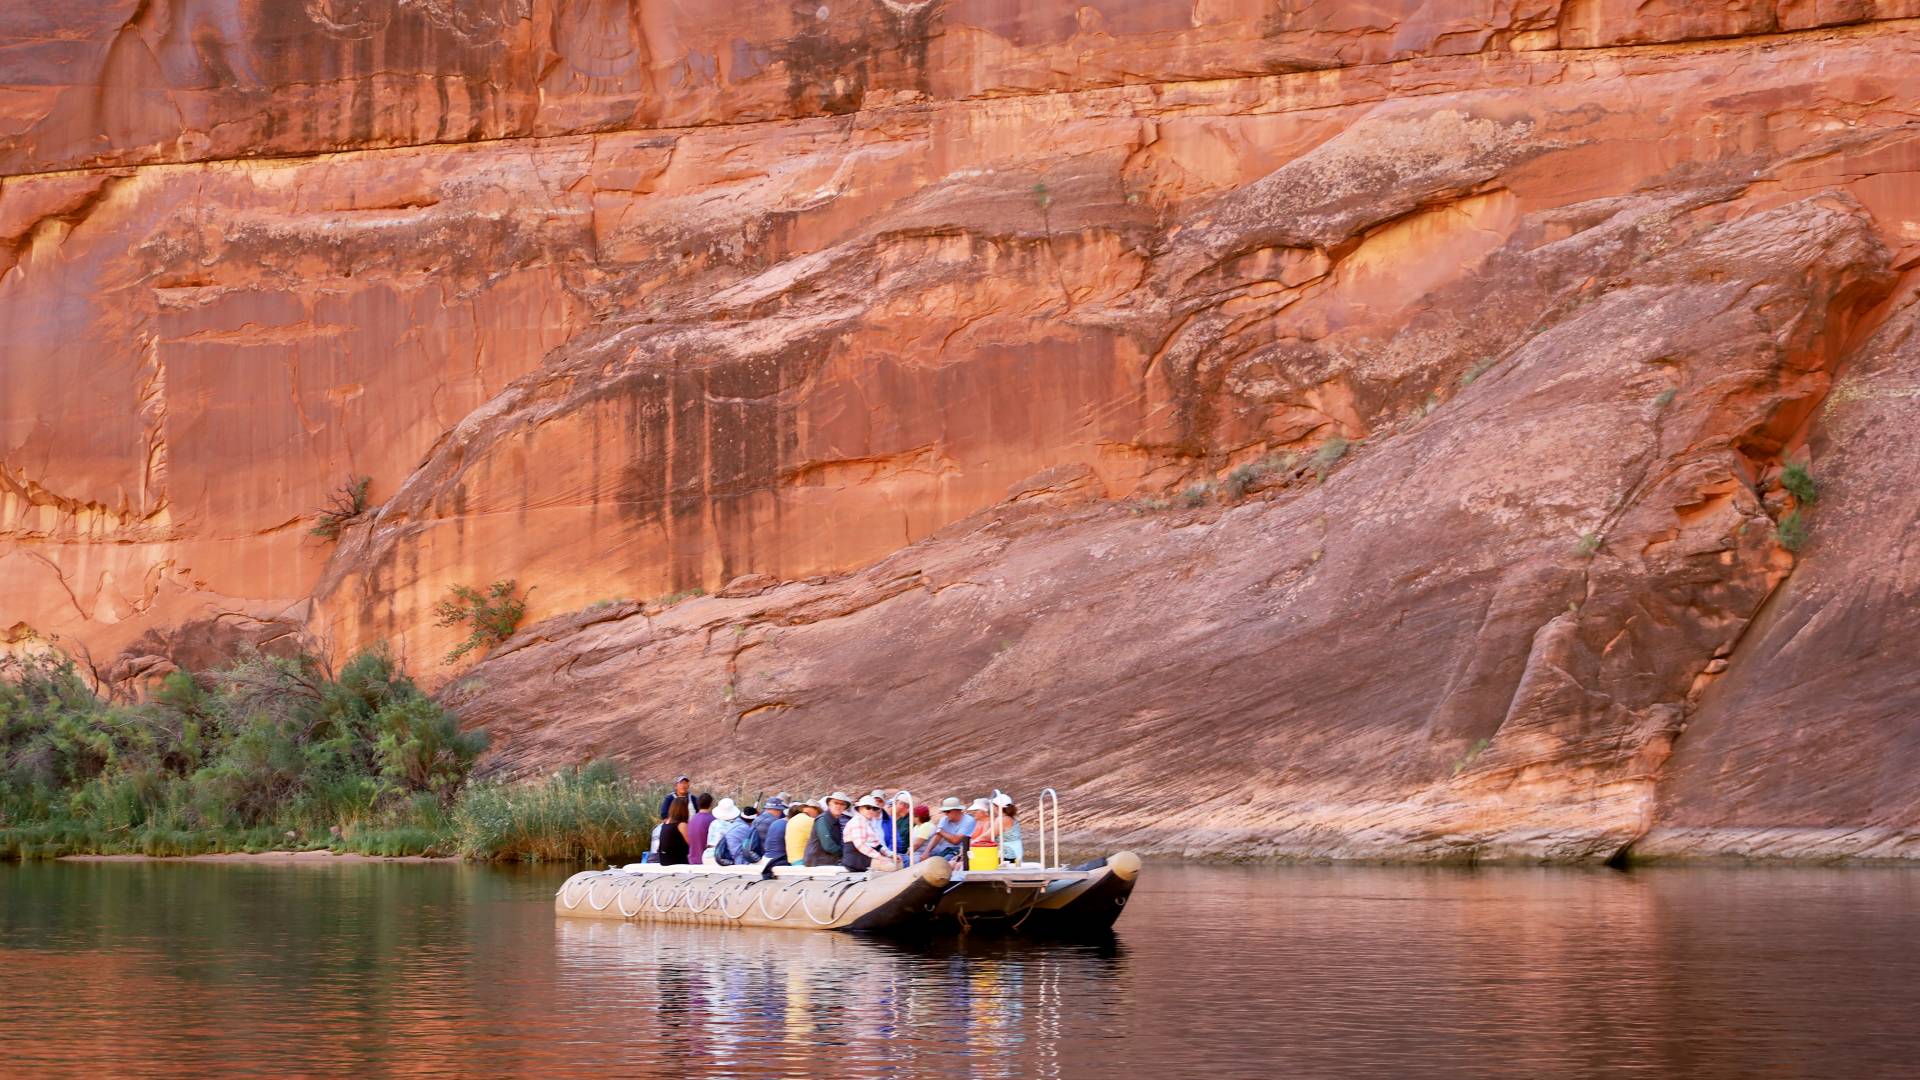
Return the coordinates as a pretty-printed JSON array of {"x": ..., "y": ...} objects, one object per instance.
[
  {"x": 1589, "y": 544},
  {"x": 490, "y": 617},
  {"x": 1467, "y": 759},
  {"x": 1665, "y": 398},
  {"x": 1800, "y": 483},
  {"x": 673, "y": 598},
  {"x": 1329, "y": 455},
  {"x": 344, "y": 506},
  {"x": 1194, "y": 495},
  {"x": 1240, "y": 480},
  {"x": 1473, "y": 373},
  {"x": 1791, "y": 531}
]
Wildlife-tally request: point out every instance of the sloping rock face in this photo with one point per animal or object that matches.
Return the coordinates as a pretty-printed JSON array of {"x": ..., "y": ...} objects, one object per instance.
[{"x": 1300, "y": 428}]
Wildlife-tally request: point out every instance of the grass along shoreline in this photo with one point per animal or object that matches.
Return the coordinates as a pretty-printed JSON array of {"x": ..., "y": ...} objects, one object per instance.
[{"x": 271, "y": 753}]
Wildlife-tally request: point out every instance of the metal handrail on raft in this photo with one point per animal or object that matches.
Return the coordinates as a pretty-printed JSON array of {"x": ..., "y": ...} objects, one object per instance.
[{"x": 1040, "y": 821}]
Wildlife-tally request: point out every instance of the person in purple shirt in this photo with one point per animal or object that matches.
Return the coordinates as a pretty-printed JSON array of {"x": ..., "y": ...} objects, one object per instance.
[{"x": 698, "y": 827}]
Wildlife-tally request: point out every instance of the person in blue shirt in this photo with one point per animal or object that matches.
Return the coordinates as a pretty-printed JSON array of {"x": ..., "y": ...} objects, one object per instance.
[
  {"x": 738, "y": 843},
  {"x": 896, "y": 828},
  {"x": 680, "y": 788},
  {"x": 773, "y": 837},
  {"x": 951, "y": 831}
]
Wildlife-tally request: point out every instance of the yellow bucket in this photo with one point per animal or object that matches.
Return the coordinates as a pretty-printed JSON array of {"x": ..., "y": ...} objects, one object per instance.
[{"x": 983, "y": 857}]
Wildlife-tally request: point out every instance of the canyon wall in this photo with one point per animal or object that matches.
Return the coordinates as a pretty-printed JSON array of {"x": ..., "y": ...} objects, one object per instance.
[{"x": 1364, "y": 423}]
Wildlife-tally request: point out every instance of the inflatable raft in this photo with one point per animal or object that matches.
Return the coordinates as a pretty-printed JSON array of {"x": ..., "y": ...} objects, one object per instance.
[{"x": 924, "y": 899}]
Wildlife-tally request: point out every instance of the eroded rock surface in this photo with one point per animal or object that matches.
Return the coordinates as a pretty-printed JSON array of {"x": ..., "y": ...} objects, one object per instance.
[{"x": 1368, "y": 419}]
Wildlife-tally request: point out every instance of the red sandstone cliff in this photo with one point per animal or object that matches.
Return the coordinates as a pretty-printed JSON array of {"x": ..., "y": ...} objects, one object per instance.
[{"x": 925, "y": 317}]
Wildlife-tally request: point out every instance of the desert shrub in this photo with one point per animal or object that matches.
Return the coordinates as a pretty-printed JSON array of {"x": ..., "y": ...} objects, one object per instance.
[
  {"x": 1799, "y": 483},
  {"x": 1329, "y": 454},
  {"x": 1194, "y": 495},
  {"x": 1472, "y": 374},
  {"x": 1589, "y": 544},
  {"x": 263, "y": 751},
  {"x": 422, "y": 748},
  {"x": 1240, "y": 480},
  {"x": 490, "y": 617},
  {"x": 1791, "y": 530},
  {"x": 344, "y": 506},
  {"x": 673, "y": 598}
]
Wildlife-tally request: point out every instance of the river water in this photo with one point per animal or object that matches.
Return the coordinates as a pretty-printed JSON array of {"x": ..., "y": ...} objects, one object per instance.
[{"x": 381, "y": 969}]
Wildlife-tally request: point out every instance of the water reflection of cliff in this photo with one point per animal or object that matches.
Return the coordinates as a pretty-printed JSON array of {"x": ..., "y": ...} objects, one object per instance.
[{"x": 809, "y": 1003}]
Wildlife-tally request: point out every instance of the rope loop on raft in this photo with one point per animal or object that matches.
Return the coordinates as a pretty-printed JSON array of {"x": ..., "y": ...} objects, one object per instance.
[
  {"x": 566, "y": 895},
  {"x": 846, "y": 891}
]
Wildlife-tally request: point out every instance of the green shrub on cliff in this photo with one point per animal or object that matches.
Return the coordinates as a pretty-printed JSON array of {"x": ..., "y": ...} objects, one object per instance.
[
  {"x": 1791, "y": 530},
  {"x": 490, "y": 617},
  {"x": 1799, "y": 483},
  {"x": 344, "y": 506}
]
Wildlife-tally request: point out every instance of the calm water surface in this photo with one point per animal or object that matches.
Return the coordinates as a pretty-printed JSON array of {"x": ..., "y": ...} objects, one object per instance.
[{"x": 182, "y": 969}]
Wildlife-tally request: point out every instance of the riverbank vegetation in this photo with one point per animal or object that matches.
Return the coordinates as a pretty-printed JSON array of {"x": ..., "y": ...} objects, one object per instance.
[{"x": 279, "y": 752}]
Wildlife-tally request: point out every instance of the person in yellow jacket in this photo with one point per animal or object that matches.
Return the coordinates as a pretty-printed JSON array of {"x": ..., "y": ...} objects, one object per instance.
[{"x": 799, "y": 829}]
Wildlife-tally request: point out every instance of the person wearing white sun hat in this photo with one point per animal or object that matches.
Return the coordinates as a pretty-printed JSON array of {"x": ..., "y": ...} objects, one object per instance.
[
  {"x": 862, "y": 847},
  {"x": 824, "y": 847},
  {"x": 724, "y": 816}
]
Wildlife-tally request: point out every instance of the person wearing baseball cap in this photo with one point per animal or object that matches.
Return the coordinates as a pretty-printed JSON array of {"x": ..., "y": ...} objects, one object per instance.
[
  {"x": 772, "y": 827},
  {"x": 824, "y": 847},
  {"x": 680, "y": 789}
]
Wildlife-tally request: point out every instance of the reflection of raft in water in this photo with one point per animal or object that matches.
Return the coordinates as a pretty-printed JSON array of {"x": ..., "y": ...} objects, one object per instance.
[{"x": 921, "y": 899}]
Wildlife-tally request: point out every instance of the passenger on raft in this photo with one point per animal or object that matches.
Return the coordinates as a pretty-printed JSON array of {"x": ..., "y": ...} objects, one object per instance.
[
  {"x": 733, "y": 843},
  {"x": 800, "y": 832},
  {"x": 772, "y": 827},
  {"x": 922, "y": 825},
  {"x": 679, "y": 791},
  {"x": 862, "y": 847},
  {"x": 673, "y": 838},
  {"x": 824, "y": 847},
  {"x": 950, "y": 833},
  {"x": 699, "y": 828},
  {"x": 1007, "y": 826},
  {"x": 896, "y": 823}
]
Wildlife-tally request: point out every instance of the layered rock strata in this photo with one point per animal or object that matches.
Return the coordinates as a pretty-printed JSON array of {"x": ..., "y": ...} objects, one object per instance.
[{"x": 1367, "y": 420}]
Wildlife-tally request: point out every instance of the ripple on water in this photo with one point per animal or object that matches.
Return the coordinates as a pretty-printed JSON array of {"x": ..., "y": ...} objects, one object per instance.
[{"x": 1306, "y": 971}]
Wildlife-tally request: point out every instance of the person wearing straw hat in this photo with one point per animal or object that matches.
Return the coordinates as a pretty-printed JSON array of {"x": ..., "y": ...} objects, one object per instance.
[
  {"x": 824, "y": 847},
  {"x": 862, "y": 846},
  {"x": 800, "y": 832},
  {"x": 951, "y": 831}
]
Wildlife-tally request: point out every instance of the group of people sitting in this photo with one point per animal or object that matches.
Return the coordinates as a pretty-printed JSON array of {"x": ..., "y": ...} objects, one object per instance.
[{"x": 873, "y": 832}]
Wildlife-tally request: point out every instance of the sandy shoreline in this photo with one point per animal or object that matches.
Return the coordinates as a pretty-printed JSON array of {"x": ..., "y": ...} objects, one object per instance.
[{"x": 316, "y": 856}]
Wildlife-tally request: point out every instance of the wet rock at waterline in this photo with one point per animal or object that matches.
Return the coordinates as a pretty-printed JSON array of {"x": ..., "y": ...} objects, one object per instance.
[{"x": 1369, "y": 429}]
